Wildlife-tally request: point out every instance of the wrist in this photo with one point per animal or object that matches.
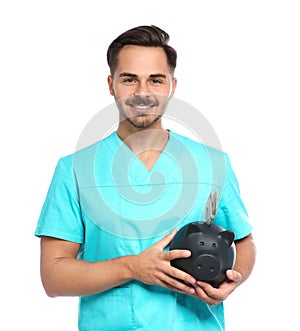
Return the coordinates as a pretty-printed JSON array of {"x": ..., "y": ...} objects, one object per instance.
[{"x": 128, "y": 263}]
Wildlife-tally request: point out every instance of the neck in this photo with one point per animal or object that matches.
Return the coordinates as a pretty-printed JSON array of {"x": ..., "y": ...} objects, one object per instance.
[
  {"x": 138, "y": 140},
  {"x": 146, "y": 144}
]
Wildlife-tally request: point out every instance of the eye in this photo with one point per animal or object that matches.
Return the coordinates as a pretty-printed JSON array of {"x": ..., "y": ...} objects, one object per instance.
[
  {"x": 201, "y": 243},
  {"x": 156, "y": 81},
  {"x": 129, "y": 81},
  {"x": 214, "y": 245}
]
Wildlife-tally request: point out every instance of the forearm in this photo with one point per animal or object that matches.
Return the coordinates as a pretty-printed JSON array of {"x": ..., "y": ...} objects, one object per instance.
[
  {"x": 73, "y": 277},
  {"x": 65, "y": 275},
  {"x": 245, "y": 256}
]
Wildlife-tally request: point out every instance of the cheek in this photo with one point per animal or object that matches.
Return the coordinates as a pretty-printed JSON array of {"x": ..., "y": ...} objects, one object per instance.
[
  {"x": 166, "y": 90},
  {"x": 123, "y": 91}
]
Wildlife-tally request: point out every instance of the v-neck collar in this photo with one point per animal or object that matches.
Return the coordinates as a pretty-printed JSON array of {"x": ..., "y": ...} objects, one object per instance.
[{"x": 134, "y": 168}]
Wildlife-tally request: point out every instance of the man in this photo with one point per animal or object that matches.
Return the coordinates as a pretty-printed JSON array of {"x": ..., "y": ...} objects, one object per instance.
[{"x": 108, "y": 219}]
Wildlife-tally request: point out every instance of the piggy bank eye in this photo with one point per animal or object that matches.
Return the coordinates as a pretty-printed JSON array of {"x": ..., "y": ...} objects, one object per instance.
[
  {"x": 214, "y": 245},
  {"x": 201, "y": 243}
]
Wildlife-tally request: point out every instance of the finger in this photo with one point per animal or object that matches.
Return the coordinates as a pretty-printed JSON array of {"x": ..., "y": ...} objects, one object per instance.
[
  {"x": 173, "y": 271},
  {"x": 165, "y": 241},
  {"x": 164, "y": 284},
  {"x": 234, "y": 276},
  {"x": 176, "y": 254},
  {"x": 182, "y": 276},
  {"x": 210, "y": 291},
  {"x": 202, "y": 295},
  {"x": 177, "y": 285},
  {"x": 217, "y": 294}
]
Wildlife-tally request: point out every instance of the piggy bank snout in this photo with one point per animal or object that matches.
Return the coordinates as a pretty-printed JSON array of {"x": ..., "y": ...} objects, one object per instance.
[{"x": 206, "y": 267}]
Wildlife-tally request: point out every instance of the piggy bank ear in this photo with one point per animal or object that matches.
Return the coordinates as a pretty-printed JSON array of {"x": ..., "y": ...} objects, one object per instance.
[
  {"x": 228, "y": 236},
  {"x": 191, "y": 228}
]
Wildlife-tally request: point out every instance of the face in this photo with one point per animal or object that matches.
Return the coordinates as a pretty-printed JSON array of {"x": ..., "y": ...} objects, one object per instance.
[{"x": 142, "y": 85}]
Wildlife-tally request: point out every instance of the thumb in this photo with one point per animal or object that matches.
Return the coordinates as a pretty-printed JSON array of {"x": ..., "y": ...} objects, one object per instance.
[
  {"x": 165, "y": 241},
  {"x": 234, "y": 276}
]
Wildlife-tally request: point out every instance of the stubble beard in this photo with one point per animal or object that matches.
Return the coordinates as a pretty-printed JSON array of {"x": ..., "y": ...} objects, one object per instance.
[{"x": 143, "y": 121}]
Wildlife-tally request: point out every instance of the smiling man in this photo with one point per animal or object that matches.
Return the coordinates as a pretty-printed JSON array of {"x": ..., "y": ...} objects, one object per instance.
[
  {"x": 142, "y": 87},
  {"x": 113, "y": 208}
]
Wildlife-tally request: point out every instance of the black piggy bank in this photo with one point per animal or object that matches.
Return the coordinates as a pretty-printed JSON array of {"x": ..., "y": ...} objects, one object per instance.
[{"x": 212, "y": 248}]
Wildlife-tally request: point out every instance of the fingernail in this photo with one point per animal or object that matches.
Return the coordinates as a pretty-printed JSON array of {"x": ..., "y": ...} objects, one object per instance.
[
  {"x": 192, "y": 291},
  {"x": 187, "y": 253},
  {"x": 192, "y": 281}
]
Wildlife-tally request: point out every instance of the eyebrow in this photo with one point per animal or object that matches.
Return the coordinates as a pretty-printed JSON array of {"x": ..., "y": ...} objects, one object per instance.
[{"x": 129, "y": 74}]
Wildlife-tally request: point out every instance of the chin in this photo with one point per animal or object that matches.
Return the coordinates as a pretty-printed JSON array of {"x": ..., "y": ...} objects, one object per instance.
[{"x": 143, "y": 121}]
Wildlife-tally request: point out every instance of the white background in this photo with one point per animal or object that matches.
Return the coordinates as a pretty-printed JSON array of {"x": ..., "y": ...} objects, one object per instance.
[{"x": 238, "y": 63}]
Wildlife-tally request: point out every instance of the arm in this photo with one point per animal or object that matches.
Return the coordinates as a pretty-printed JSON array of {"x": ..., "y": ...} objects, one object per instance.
[
  {"x": 245, "y": 259},
  {"x": 64, "y": 275}
]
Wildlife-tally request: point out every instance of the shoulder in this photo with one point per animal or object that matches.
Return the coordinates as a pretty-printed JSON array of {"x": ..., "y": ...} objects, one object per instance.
[
  {"x": 199, "y": 148},
  {"x": 87, "y": 153}
]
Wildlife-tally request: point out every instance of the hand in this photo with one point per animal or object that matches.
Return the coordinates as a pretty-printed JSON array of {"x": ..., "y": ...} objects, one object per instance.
[
  {"x": 153, "y": 266},
  {"x": 214, "y": 296}
]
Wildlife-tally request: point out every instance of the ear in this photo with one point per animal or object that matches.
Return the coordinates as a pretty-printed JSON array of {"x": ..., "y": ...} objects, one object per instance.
[
  {"x": 110, "y": 85},
  {"x": 174, "y": 84},
  {"x": 228, "y": 236},
  {"x": 191, "y": 228}
]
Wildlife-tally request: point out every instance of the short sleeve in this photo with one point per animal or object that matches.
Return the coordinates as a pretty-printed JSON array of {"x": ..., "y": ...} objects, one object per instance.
[
  {"x": 232, "y": 213},
  {"x": 60, "y": 215}
]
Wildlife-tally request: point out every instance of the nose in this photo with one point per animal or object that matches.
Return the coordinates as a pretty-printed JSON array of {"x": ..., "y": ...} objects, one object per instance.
[{"x": 142, "y": 89}]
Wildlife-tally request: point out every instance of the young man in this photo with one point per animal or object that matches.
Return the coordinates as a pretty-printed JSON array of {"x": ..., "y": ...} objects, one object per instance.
[{"x": 108, "y": 218}]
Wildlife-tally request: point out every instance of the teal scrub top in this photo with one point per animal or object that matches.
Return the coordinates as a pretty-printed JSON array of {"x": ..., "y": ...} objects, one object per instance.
[{"x": 105, "y": 199}]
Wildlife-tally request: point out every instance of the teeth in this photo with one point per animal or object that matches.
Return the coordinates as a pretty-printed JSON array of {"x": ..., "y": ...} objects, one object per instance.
[{"x": 141, "y": 107}]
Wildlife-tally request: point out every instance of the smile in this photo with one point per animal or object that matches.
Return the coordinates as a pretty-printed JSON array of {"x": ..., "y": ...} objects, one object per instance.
[{"x": 141, "y": 108}]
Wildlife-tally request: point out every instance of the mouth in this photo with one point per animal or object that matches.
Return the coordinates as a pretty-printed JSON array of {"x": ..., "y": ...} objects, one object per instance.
[
  {"x": 142, "y": 108},
  {"x": 142, "y": 105}
]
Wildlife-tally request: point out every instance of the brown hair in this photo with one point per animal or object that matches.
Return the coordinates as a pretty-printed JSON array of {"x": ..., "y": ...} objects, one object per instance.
[{"x": 145, "y": 35}]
